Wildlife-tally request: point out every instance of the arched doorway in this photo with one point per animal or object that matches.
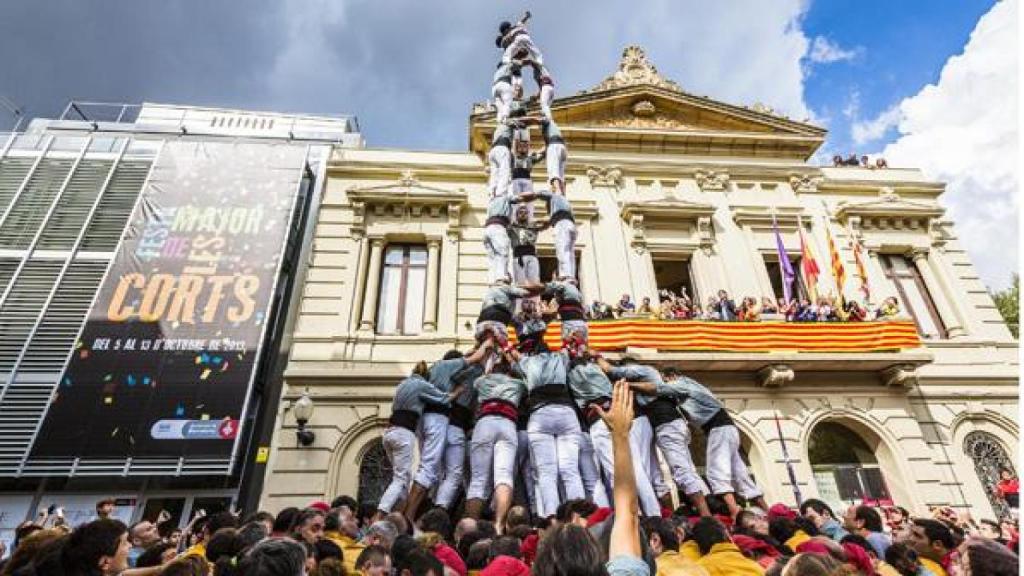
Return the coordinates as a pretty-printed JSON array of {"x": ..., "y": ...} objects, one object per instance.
[
  {"x": 374, "y": 472},
  {"x": 845, "y": 466},
  {"x": 989, "y": 458}
]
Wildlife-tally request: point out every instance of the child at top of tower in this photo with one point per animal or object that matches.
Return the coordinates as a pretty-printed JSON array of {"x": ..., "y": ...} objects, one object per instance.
[{"x": 515, "y": 38}]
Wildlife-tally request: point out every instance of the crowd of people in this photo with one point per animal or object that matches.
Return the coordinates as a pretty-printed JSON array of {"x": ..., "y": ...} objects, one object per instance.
[
  {"x": 721, "y": 307},
  {"x": 863, "y": 161}
]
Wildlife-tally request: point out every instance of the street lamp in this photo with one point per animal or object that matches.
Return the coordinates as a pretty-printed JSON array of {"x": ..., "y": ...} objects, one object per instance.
[{"x": 303, "y": 413}]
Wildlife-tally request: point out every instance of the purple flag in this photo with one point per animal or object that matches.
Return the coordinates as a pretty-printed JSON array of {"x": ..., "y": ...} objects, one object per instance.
[{"x": 785, "y": 266}]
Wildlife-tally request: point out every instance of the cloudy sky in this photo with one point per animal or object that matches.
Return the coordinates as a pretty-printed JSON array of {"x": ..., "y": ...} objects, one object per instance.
[{"x": 930, "y": 83}]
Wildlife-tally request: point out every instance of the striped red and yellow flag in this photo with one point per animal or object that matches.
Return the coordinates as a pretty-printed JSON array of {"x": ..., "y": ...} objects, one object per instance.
[
  {"x": 808, "y": 264},
  {"x": 858, "y": 260},
  {"x": 837, "y": 267},
  {"x": 767, "y": 336}
]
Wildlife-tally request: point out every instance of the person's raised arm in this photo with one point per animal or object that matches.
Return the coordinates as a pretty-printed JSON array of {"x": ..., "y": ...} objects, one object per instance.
[
  {"x": 625, "y": 536},
  {"x": 477, "y": 356}
]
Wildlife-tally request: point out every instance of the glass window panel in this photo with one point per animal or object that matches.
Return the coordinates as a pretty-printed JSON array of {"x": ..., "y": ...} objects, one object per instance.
[
  {"x": 919, "y": 308},
  {"x": 874, "y": 484},
  {"x": 416, "y": 282},
  {"x": 828, "y": 490},
  {"x": 417, "y": 256},
  {"x": 394, "y": 255},
  {"x": 899, "y": 265},
  {"x": 848, "y": 482},
  {"x": 387, "y": 311}
]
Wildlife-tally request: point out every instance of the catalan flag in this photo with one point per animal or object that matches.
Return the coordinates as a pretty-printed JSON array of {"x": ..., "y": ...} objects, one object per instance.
[
  {"x": 808, "y": 264},
  {"x": 858, "y": 259},
  {"x": 837, "y": 266}
]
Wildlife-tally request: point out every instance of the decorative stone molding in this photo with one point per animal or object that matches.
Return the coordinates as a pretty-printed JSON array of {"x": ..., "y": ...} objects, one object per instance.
[
  {"x": 406, "y": 197},
  {"x": 889, "y": 211},
  {"x": 900, "y": 376},
  {"x": 669, "y": 213},
  {"x": 605, "y": 176},
  {"x": 804, "y": 183},
  {"x": 775, "y": 375},
  {"x": 706, "y": 234},
  {"x": 634, "y": 69},
  {"x": 454, "y": 231},
  {"x": 711, "y": 180},
  {"x": 637, "y": 241}
]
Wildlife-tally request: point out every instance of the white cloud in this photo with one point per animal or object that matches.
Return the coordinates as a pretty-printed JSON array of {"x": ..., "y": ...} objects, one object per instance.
[
  {"x": 963, "y": 130},
  {"x": 825, "y": 51},
  {"x": 412, "y": 71},
  {"x": 864, "y": 131}
]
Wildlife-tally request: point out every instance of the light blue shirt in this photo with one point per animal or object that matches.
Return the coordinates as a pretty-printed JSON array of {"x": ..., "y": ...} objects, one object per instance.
[
  {"x": 496, "y": 386},
  {"x": 697, "y": 401},
  {"x": 588, "y": 383},
  {"x": 414, "y": 392},
  {"x": 638, "y": 373},
  {"x": 442, "y": 371},
  {"x": 543, "y": 369}
]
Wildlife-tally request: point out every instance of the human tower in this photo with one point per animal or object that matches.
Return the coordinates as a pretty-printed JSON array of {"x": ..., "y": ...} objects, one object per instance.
[{"x": 532, "y": 415}]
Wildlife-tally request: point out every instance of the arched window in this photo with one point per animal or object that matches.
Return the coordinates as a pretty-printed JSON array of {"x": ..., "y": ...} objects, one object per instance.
[
  {"x": 845, "y": 468},
  {"x": 989, "y": 458},
  {"x": 374, "y": 473}
]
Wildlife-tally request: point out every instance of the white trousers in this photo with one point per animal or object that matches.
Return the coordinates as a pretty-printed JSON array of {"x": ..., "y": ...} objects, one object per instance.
[
  {"x": 590, "y": 472},
  {"x": 523, "y": 42},
  {"x": 565, "y": 248},
  {"x": 554, "y": 161},
  {"x": 525, "y": 268},
  {"x": 399, "y": 444},
  {"x": 674, "y": 440},
  {"x": 547, "y": 96},
  {"x": 500, "y": 177},
  {"x": 661, "y": 487},
  {"x": 554, "y": 435},
  {"x": 498, "y": 248},
  {"x": 502, "y": 94},
  {"x": 432, "y": 434},
  {"x": 725, "y": 468},
  {"x": 492, "y": 456},
  {"x": 639, "y": 442},
  {"x": 524, "y": 469},
  {"x": 454, "y": 467}
]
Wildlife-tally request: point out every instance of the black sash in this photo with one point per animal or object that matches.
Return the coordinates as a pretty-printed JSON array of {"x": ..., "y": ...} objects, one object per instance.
[{"x": 405, "y": 419}]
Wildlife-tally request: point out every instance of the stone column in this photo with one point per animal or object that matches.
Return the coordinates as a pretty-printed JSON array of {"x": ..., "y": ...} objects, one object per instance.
[
  {"x": 430, "y": 306},
  {"x": 954, "y": 329},
  {"x": 359, "y": 294},
  {"x": 372, "y": 284}
]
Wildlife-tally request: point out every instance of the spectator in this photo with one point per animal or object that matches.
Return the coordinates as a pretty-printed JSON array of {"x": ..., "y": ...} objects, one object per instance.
[
  {"x": 99, "y": 547},
  {"x": 1008, "y": 488},
  {"x": 274, "y": 557},
  {"x": 881, "y": 163},
  {"x": 664, "y": 546},
  {"x": 898, "y": 520},
  {"x": 768, "y": 306},
  {"x": 104, "y": 508},
  {"x": 852, "y": 160},
  {"x": 821, "y": 515},
  {"x": 210, "y": 527},
  {"x": 787, "y": 532},
  {"x": 192, "y": 565},
  {"x": 647, "y": 309},
  {"x": 814, "y": 565},
  {"x": 467, "y": 526},
  {"x": 342, "y": 528},
  {"x": 264, "y": 518},
  {"x": 309, "y": 526},
  {"x": 719, "y": 556},
  {"x": 724, "y": 307},
  {"x": 252, "y": 533},
  {"x": 837, "y": 161},
  {"x": 866, "y": 521},
  {"x": 625, "y": 305},
  {"x": 903, "y": 559},
  {"x": 373, "y": 561},
  {"x": 284, "y": 521},
  {"x": 853, "y": 312},
  {"x": 478, "y": 554},
  {"x": 223, "y": 549},
  {"x": 174, "y": 537},
  {"x": 865, "y": 161},
  {"x": 142, "y": 535},
  {"x": 983, "y": 556},
  {"x": 158, "y": 554},
  {"x": 381, "y": 533},
  {"x": 889, "y": 309},
  {"x": 419, "y": 563},
  {"x": 933, "y": 542},
  {"x": 750, "y": 310},
  {"x": 28, "y": 547}
]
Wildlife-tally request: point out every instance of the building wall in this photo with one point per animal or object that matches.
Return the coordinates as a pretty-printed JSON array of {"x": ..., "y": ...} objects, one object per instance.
[{"x": 719, "y": 216}]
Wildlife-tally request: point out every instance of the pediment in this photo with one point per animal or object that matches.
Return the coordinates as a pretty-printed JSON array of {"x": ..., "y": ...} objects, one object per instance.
[
  {"x": 637, "y": 107},
  {"x": 406, "y": 190},
  {"x": 666, "y": 209}
]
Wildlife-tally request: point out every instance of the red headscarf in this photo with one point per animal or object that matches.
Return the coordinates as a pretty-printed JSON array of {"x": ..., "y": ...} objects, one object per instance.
[{"x": 780, "y": 510}]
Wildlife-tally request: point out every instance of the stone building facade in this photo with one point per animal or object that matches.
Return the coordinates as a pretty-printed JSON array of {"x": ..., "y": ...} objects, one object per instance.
[{"x": 670, "y": 189}]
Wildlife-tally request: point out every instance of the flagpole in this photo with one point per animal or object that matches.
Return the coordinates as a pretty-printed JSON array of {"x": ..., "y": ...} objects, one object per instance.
[{"x": 785, "y": 458}]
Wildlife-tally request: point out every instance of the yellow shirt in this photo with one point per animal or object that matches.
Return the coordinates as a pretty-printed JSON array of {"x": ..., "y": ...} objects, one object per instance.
[
  {"x": 197, "y": 550},
  {"x": 672, "y": 563},
  {"x": 689, "y": 550},
  {"x": 350, "y": 549},
  {"x": 934, "y": 566},
  {"x": 725, "y": 559},
  {"x": 885, "y": 569},
  {"x": 797, "y": 539}
]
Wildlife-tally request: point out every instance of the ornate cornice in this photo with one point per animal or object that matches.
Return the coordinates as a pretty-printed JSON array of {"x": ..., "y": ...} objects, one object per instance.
[
  {"x": 640, "y": 215},
  {"x": 711, "y": 180},
  {"x": 406, "y": 197},
  {"x": 889, "y": 210},
  {"x": 760, "y": 216}
]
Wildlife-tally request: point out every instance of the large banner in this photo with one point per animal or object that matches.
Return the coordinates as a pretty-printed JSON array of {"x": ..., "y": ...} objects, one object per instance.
[{"x": 166, "y": 359}]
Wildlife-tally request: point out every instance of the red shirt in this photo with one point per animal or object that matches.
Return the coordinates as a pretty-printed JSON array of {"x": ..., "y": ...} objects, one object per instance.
[{"x": 1011, "y": 486}]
